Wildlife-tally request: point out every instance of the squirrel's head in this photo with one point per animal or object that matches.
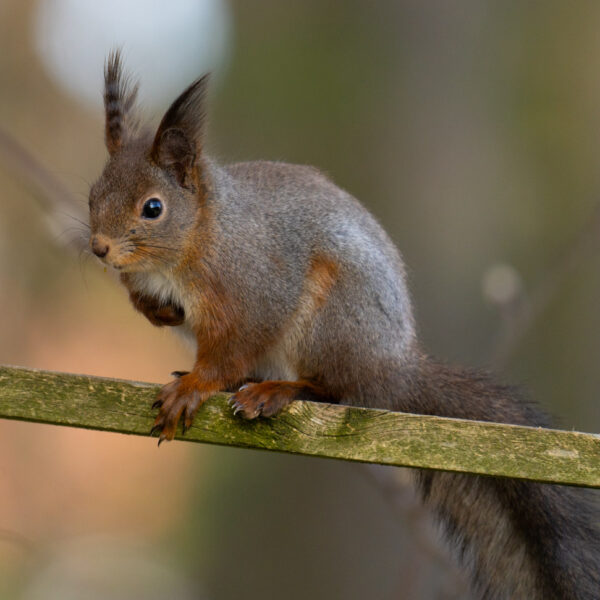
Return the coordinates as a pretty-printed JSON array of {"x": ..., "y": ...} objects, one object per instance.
[{"x": 145, "y": 206}]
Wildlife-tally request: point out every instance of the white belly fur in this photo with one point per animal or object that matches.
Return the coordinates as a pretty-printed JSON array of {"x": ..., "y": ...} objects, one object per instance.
[{"x": 159, "y": 286}]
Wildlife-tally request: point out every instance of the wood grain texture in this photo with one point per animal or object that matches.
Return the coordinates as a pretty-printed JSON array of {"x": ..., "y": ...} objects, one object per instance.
[{"x": 332, "y": 431}]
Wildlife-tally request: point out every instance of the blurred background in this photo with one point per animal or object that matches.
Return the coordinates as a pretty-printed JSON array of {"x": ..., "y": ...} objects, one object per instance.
[{"x": 471, "y": 130}]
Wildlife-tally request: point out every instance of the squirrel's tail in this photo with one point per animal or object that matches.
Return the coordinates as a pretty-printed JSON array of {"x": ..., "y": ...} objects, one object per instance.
[{"x": 519, "y": 539}]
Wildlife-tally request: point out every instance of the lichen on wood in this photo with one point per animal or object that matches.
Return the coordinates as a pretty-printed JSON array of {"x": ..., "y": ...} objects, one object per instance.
[{"x": 333, "y": 431}]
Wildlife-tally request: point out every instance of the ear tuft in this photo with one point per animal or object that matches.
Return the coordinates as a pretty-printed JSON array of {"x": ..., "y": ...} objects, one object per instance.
[
  {"x": 119, "y": 101},
  {"x": 178, "y": 140}
]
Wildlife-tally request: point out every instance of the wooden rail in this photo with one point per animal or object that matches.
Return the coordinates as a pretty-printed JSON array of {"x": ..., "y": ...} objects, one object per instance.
[{"x": 309, "y": 428}]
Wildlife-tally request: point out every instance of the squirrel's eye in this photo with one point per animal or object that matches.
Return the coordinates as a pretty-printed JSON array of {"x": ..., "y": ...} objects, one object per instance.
[{"x": 152, "y": 208}]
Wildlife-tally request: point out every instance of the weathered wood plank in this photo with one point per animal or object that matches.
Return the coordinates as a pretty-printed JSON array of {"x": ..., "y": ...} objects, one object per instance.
[{"x": 309, "y": 428}]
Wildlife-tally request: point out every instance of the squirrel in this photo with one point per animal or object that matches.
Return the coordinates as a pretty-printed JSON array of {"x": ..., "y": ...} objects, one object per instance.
[{"x": 290, "y": 289}]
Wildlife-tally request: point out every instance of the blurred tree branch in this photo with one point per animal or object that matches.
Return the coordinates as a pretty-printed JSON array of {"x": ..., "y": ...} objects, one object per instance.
[{"x": 56, "y": 200}]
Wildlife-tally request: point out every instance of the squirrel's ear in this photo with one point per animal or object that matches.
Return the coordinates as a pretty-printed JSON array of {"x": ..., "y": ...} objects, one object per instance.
[
  {"x": 178, "y": 140},
  {"x": 119, "y": 100}
]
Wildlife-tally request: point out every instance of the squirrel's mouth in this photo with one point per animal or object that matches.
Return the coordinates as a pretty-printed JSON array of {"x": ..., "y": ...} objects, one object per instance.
[
  {"x": 123, "y": 267},
  {"x": 123, "y": 257},
  {"x": 128, "y": 263}
]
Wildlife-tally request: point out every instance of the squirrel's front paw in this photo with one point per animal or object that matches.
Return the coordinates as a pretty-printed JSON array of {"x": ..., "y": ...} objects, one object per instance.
[
  {"x": 181, "y": 397},
  {"x": 156, "y": 312},
  {"x": 169, "y": 316},
  {"x": 268, "y": 398},
  {"x": 262, "y": 399}
]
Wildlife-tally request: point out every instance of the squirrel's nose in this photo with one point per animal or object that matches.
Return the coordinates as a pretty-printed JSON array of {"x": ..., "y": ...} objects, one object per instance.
[{"x": 99, "y": 247}]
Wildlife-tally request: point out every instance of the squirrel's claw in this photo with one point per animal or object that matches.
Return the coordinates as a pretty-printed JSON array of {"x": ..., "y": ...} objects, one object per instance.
[
  {"x": 178, "y": 374},
  {"x": 155, "y": 428},
  {"x": 260, "y": 399},
  {"x": 233, "y": 400},
  {"x": 180, "y": 398},
  {"x": 237, "y": 408}
]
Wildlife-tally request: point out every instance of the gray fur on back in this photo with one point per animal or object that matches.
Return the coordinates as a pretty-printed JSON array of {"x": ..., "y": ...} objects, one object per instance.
[{"x": 283, "y": 215}]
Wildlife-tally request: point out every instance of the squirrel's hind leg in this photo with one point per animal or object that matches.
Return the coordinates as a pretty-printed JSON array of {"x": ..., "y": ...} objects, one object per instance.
[{"x": 268, "y": 398}]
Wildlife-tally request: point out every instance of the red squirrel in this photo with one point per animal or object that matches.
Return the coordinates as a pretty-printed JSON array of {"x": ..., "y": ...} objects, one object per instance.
[{"x": 283, "y": 280}]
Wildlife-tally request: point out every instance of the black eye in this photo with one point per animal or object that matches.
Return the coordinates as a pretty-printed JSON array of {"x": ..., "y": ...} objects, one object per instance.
[{"x": 152, "y": 208}]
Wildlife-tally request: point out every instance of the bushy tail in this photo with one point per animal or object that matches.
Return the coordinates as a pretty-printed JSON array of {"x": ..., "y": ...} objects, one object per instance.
[{"x": 519, "y": 539}]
